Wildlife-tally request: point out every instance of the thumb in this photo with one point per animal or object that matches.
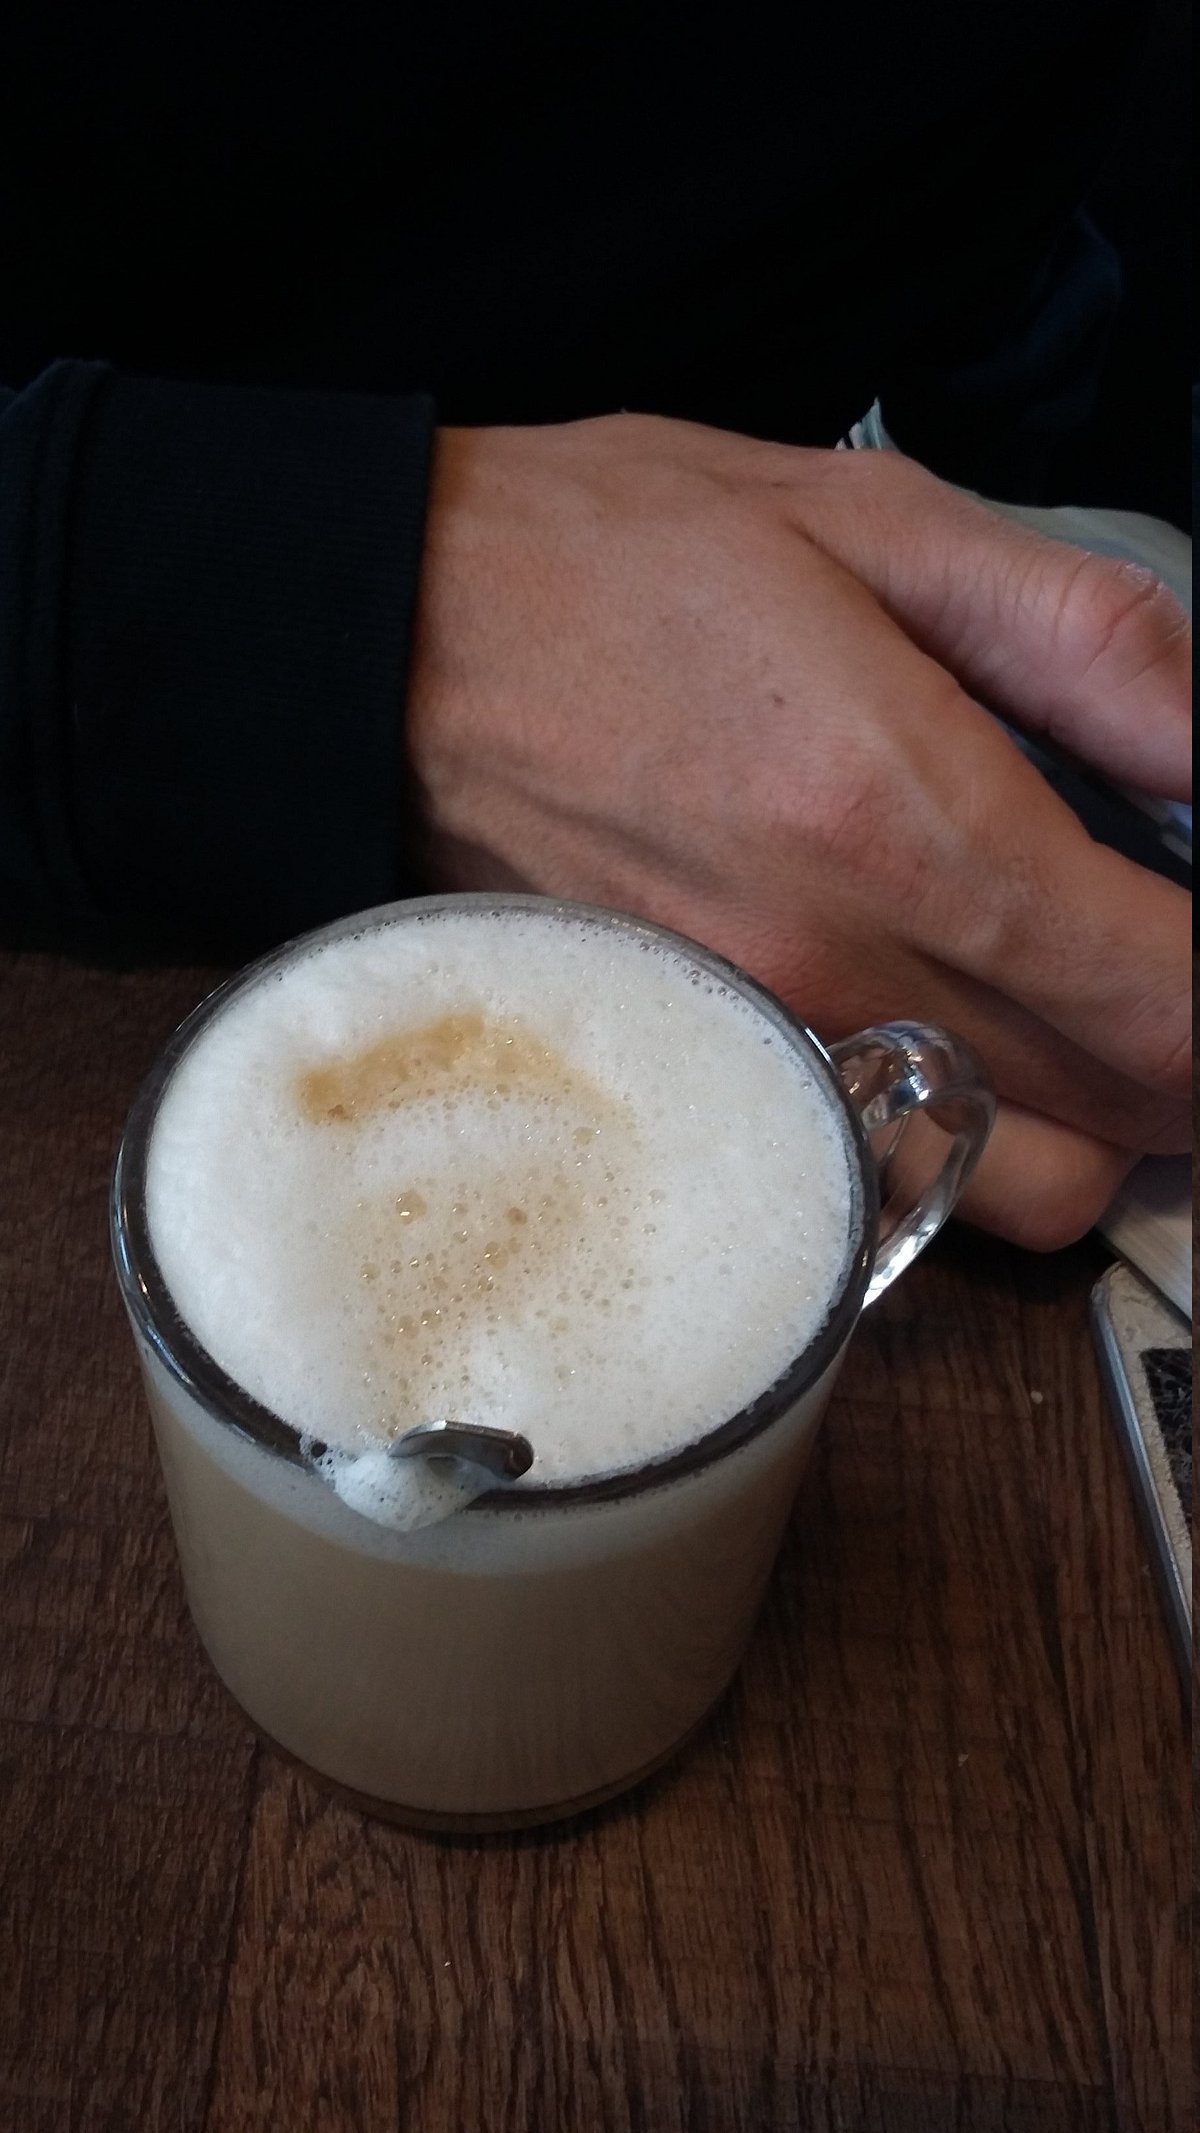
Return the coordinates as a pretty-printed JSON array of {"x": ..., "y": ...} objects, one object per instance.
[{"x": 1094, "y": 654}]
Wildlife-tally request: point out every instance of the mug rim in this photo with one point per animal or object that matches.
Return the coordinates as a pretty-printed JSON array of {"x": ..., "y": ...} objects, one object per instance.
[{"x": 157, "y": 1319}]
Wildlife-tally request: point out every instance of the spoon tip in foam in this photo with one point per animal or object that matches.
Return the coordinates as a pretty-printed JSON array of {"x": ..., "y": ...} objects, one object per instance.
[{"x": 502, "y": 1451}]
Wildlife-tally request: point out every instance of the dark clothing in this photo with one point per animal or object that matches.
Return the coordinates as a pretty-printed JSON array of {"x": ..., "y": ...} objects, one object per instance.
[
  {"x": 271, "y": 248},
  {"x": 204, "y": 652}
]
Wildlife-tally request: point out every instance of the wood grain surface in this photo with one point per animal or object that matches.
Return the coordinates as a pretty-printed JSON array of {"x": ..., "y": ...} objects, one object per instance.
[{"x": 926, "y": 1869}]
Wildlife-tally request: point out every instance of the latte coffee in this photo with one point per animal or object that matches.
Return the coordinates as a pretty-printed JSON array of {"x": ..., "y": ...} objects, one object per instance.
[
  {"x": 519, "y": 1169},
  {"x": 522, "y": 1166}
]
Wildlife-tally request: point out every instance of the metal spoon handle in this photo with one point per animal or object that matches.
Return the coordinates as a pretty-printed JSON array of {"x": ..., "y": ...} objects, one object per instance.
[{"x": 501, "y": 1451}]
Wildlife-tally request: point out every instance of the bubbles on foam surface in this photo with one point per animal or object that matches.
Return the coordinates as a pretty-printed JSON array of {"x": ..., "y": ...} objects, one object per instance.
[{"x": 522, "y": 1171}]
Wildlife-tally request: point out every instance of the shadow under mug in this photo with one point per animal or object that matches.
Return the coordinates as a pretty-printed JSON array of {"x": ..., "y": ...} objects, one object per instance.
[{"x": 545, "y": 1647}]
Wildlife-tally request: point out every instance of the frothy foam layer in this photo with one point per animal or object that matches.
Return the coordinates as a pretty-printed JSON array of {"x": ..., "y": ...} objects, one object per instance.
[{"x": 518, "y": 1169}]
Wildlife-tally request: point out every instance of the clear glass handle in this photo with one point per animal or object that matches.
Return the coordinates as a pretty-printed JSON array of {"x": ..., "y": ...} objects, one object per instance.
[{"x": 927, "y": 1108}]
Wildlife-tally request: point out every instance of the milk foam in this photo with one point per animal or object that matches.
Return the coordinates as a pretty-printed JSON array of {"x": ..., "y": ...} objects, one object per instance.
[
  {"x": 517, "y": 1169},
  {"x": 405, "y": 1494}
]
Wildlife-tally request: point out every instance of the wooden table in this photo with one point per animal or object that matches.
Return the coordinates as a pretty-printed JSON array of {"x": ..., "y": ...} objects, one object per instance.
[{"x": 927, "y": 1869}]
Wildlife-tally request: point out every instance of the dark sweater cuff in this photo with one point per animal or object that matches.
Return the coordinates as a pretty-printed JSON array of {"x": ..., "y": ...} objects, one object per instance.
[{"x": 239, "y": 608}]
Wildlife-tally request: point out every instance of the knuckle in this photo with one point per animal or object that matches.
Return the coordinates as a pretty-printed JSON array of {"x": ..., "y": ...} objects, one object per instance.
[
  {"x": 844, "y": 820},
  {"x": 842, "y": 813},
  {"x": 995, "y": 918},
  {"x": 1166, "y": 1054},
  {"x": 1120, "y": 616}
]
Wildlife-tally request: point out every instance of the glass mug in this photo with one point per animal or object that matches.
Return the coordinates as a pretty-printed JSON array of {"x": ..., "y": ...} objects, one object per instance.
[{"x": 543, "y": 1648}]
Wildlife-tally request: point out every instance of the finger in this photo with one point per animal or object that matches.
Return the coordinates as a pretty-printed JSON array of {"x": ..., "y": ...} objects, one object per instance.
[
  {"x": 1095, "y": 654},
  {"x": 882, "y": 805},
  {"x": 1014, "y": 893},
  {"x": 1041, "y": 1184},
  {"x": 849, "y": 985},
  {"x": 1035, "y": 1067}
]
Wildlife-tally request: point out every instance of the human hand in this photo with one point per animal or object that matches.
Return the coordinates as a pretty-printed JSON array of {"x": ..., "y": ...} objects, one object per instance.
[{"x": 729, "y": 686}]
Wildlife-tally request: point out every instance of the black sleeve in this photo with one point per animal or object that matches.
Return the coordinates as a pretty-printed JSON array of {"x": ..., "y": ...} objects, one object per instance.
[
  {"x": 999, "y": 420},
  {"x": 206, "y": 604}
]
